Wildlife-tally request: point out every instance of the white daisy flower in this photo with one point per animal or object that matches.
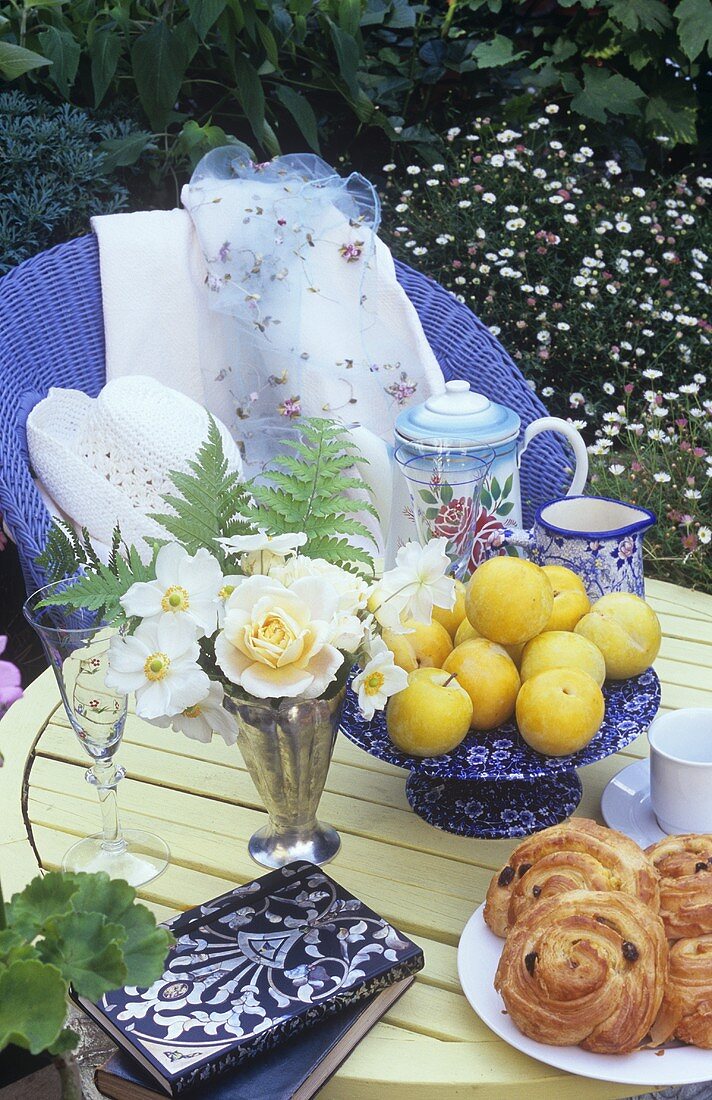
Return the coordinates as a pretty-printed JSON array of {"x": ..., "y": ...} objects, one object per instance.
[
  {"x": 416, "y": 584},
  {"x": 204, "y": 718},
  {"x": 185, "y": 587},
  {"x": 380, "y": 678},
  {"x": 159, "y": 663}
]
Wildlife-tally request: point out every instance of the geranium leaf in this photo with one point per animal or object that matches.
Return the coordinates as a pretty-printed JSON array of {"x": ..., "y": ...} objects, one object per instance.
[
  {"x": 649, "y": 15},
  {"x": 66, "y": 1040},
  {"x": 85, "y": 948},
  {"x": 42, "y": 899},
  {"x": 604, "y": 92},
  {"x": 145, "y": 948},
  {"x": 499, "y": 51},
  {"x": 100, "y": 894},
  {"x": 33, "y": 1005}
]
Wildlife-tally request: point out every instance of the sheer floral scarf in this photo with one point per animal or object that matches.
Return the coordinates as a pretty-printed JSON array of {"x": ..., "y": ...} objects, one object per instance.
[{"x": 292, "y": 255}]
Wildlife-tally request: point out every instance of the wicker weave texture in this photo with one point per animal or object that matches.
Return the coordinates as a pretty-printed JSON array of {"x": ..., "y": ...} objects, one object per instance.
[{"x": 51, "y": 334}]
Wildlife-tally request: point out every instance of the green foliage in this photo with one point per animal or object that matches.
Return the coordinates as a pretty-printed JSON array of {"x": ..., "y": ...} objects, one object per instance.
[
  {"x": 211, "y": 501},
  {"x": 98, "y": 586},
  {"x": 62, "y": 929},
  {"x": 264, "y": 68},
  {"x": 307, "y": 491},
  {"x": 53, "y": 175}
]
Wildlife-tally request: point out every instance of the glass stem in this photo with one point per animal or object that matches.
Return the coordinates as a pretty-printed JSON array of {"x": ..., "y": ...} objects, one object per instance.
[{"x": 106, "y": 777}]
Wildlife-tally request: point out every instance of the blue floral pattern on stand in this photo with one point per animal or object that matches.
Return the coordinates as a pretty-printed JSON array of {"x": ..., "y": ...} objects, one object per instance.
[
  {"x": 490, "y": 810},
  {"x": 631, "y": 706},
  {"x": 493, "y": 784}
]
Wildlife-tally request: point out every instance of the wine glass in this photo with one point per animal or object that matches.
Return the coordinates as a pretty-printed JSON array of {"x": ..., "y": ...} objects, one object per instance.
[
  {"x": 445, "y": 489},
  {"x": 77, "y": 646}
]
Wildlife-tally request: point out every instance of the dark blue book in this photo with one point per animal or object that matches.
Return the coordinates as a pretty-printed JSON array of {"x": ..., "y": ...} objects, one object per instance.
[
  {"x": 295, "y": 1070},
  {"x": 250, "y": 969}
]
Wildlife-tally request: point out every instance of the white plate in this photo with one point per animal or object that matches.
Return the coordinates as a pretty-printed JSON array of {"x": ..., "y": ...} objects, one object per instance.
[
  {"x": 477, "y": 959},
  {"x": 625, "y": 805}
]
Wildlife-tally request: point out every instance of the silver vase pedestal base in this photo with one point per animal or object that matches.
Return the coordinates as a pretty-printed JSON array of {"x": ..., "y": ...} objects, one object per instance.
[
  {"x": 276, "y": 848},
  {"x": 287, "y": 745}
]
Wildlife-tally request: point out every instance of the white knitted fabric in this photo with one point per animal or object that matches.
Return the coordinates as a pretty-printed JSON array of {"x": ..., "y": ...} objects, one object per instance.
[{"x": 107, "y": 459}]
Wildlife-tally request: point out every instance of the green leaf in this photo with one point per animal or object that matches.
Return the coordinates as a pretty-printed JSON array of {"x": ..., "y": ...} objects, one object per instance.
[
  {"x": 508, "y": 486},
  {"x": 694, "y": 29},
  {"x": 43, "y": 899},
  {"x": 268, "y": 43},
  {"x": 159, "y": 62},
  {"x": 495, "y": 488},
  {"x": 604, "y": 92},
  {"x": 105, "y": 50},
  {"x": 205, "y": 13},
  {"x": 676, "y": 120},
  {"x": 301, "y": 111},
  {"x": 250, "y": 94},
  {"x": 314, "y": 499},
  {"x": 211, "y": 502},
  {"x": 427, "y": 496},
  {"x": 66, "y": 1040},
  {"x": 145, "y": 948},
  {"x": 63, "y": 50},
  {"x": 124, "y": 151},
  {"x": 16, "y": 60},
  {"x": 347, "y": 56},
  {"x": 86, "y": 949},
  {"x": 647, "y": 15},
  {"x": 446, "y": 493},
  {"x": 144, "y": 945},
  {"x": 498, "y": 51},
  {"x": 505, "y": 509},
  {"x": 33, "y": 1005}
]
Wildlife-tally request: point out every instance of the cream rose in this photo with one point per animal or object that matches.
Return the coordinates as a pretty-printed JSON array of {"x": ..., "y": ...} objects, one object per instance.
[{"x": 275, "y": 641}]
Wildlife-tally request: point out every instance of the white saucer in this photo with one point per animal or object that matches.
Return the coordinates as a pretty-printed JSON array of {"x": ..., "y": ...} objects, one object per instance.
[{"x": 626, "y": 806}]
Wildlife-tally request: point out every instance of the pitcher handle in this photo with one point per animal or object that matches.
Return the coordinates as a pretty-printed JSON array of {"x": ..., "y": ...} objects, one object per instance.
[
  {"x": 562, "y": 427},
  {"x": 519, "y": 537}
]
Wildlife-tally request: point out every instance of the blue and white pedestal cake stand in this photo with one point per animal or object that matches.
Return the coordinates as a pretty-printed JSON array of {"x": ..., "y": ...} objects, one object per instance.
[{"x": 494, "y": 785}]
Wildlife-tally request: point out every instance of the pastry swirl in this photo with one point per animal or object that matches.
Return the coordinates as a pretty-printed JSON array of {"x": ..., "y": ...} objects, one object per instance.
[
  {"x": 585, "y": 967},
  {"x": 686, "y": 1011},
  {"x": 577, "y": 855},
  {"x": 684, "y": 864}
]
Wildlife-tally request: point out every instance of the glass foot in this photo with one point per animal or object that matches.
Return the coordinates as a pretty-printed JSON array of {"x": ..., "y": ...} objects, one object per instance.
[
  {"x": 271, "y": 848},
  {"x": 142, "y": 857}
]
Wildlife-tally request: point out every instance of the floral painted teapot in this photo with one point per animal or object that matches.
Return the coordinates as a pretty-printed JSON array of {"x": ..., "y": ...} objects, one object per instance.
[{"x": 463, "y": 420}]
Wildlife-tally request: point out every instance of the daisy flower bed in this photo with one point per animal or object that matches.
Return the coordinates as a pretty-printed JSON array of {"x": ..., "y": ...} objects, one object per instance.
[{"x": 598, "y": 287}]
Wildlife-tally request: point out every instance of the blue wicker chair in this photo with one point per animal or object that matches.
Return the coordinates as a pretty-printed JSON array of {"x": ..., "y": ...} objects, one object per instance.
[{"x": 51, "y": 334}]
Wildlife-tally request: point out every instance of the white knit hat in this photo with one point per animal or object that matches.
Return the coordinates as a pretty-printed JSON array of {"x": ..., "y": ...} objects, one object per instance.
[{"x": 107, "y": 459}]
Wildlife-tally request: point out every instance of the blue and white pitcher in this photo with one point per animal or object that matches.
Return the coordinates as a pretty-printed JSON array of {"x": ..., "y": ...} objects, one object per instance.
[{"x": 467, "y": 421}]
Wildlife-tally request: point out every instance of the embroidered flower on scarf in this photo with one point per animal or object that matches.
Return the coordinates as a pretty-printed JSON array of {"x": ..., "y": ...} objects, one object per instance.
[
  {"x": 353, "y": 252},
  {"x": 401, "y": 390},
  {"x": 291, "y": 407}
]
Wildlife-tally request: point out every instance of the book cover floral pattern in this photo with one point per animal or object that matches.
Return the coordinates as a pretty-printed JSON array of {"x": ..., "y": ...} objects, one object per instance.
[{"x": 254, "y": 965}]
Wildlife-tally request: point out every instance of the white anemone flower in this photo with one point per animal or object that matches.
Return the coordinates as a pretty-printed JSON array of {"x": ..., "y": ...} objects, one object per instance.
[
  {"x": 260, "y": 550},
  {"x": 276, "y": 641},
  {"x": 379, "y": 679},
  {"x": 204, "y": 718},
  {"x": 185, "y": 588},
  {"x": 416, "y": 585},
  {"x": 159, "y": 662}
]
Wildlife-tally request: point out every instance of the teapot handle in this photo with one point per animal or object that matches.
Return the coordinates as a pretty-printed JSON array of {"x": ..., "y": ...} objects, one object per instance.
[{"x": 562, "y": 427}]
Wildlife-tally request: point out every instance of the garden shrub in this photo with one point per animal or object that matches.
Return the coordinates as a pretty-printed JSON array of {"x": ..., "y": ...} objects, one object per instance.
[
  {"x": 53, "y": 176},
  {"x": 332, "y": 67}
]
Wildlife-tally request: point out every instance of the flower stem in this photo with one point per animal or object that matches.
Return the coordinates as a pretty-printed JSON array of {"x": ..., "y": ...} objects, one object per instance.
[{"x": 3, "y": 921}]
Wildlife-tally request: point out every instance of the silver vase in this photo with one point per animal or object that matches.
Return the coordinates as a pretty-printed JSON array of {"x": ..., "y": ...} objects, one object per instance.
[{"x": 287, "y": 747}]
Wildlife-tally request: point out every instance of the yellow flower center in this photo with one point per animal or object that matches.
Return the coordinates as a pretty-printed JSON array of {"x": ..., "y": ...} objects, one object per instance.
[
  {"x": 275, "y": 631},
  {"x": 226, "y": 591},
  {"x": 175, "y": 598},
  {"x": 373, "y": 683},
  {"x": 192, "y": 712},
  {"x": 156, "y": 666}
]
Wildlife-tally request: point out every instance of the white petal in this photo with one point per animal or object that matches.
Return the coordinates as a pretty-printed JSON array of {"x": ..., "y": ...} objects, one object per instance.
[
  {"x": 154, "y": 700},
  {"x": 319, "y": 595},
  {"x": 250, "y": 589},
  {"x": 185, "y": 687},
  {"x": 323, "y": 668},
  {"x": 229, "y": 659},
  {"x": 272, "y": 683},
  {"x": 168, "y": 562},
  {"x": 201, "y": 573},
  {"x": 142, "y": 599}
]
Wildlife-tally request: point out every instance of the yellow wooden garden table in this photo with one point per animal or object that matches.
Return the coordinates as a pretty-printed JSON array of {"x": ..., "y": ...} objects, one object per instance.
[{"x": 431, "y": 1045}]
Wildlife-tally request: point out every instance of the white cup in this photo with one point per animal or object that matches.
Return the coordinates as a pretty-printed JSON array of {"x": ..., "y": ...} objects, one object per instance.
[{"x": 681, "y": 770}]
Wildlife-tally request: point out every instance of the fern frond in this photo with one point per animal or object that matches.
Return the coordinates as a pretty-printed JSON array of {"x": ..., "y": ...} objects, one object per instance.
[
  {"x": 210, "y": 501},
  {"x": 308, "y": 490},
  {"x": 62, "y": 552},
  {"x": 99, "y": 587}
]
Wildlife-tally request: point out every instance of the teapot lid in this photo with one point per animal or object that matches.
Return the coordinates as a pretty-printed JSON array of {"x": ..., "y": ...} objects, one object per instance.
[{"x": 459, "y": 415}]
